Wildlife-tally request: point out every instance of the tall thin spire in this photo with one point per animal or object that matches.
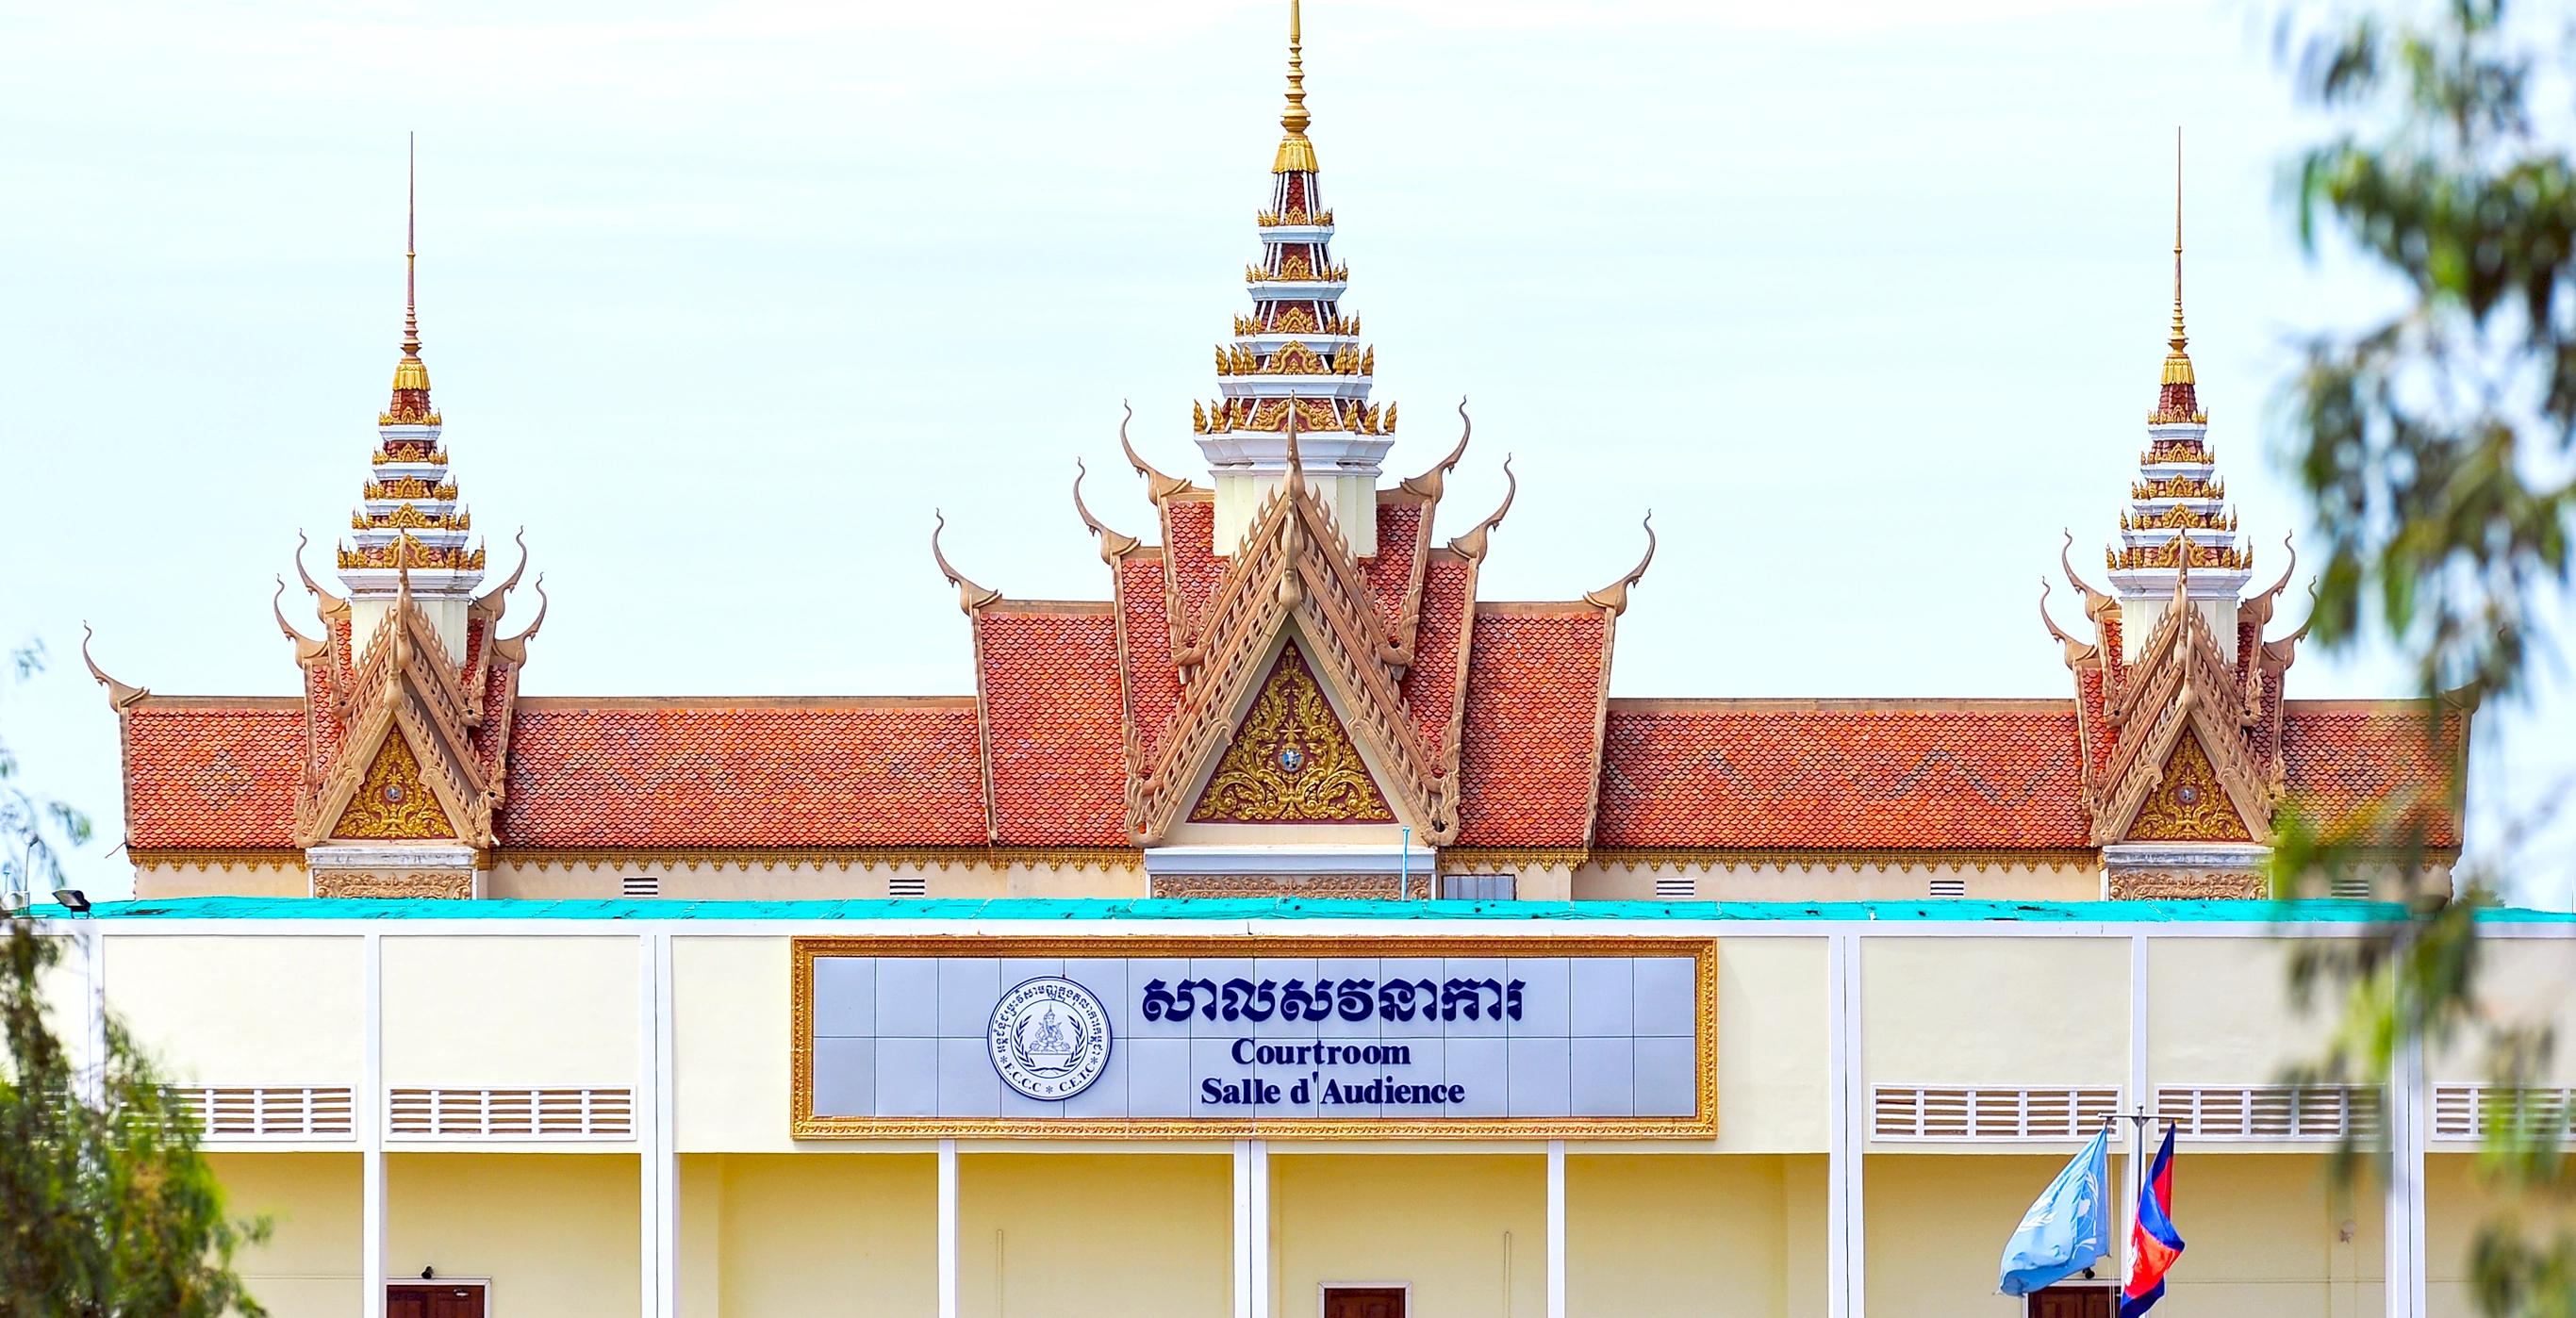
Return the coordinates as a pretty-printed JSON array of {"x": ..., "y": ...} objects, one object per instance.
[
  {"x": 1296, "y": 154},
  {"x": 410, "y": 406},
  {"x": 2177, "y": 397}
]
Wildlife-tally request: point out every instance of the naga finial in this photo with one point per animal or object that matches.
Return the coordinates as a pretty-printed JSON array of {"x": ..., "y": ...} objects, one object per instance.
[
  {"x": 1471, "y": 546},
  {"x": 1614, "y": 596},
  {"x": 1113, "y": 545},
  {"x": 970, "y": 596}
]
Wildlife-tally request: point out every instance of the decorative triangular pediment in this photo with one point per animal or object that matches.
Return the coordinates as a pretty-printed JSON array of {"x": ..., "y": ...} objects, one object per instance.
[
  {"x": 1291, "y": 760},
  {"x": 2189, "y": 803},
  {"x": 393, "y": 802}
]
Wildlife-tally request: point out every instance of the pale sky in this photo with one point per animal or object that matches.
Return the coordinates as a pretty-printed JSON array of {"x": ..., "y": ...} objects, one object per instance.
[{"x": 1865, "y": 300}]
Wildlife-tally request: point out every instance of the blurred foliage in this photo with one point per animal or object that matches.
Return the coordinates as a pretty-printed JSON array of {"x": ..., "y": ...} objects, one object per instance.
[
  {"x": 2435, "y": 445},
  {"x": 33, "y": 830}
]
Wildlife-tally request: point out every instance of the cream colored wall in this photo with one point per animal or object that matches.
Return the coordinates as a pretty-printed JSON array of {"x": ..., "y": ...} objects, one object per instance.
[
  {"x": 1975, "y": 1011},
  {"x": 821, "y": 1236},
  {"x": 558, "y": 1234},
  {"x": 161, "y": 882},
  {"x": 1805, "y": 883},
  {"x": 1662, "y": 1237},
  {"x": 834, "y": 881},
  {"x": 1059, "y": 1235},
  {"x": 1468, "y": 1232},
  {"x": 729, "y": 1042},
  {"x": 2219, "y": 1012},
  {"x": 237, "y": 1009},
  {"x": 2522, "y": 983},
  {"x": 1773, "y": 1069},
  {"x": 475, "y": 1011},
  {"x": 310, "y": 1265}
]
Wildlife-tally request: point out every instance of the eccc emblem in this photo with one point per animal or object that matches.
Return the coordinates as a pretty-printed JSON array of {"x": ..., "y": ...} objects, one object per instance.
[{"x": 1049, "y": 1038}]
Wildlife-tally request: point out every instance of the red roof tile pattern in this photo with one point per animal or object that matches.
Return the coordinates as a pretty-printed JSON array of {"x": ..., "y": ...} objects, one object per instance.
[
  {"x": 203, "y": 775},
  {"x": 1755, "y": 774},
  {"x": 1153, "y": 684},
  {"x": 1528, "y": 760},
  {"x": 1430, "y": 686},
  {"x": 1189, "y": 554},
  {"x": 1390, "y": 572},
  {"x": 1051, "y": 707},
  {"x": 2342, "y": 758},
  {"x": 752, "y": 774}
]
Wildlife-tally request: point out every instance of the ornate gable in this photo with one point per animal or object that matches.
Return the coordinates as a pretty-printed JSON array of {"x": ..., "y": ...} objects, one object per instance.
[
  {"x": 1291, "y": 760},
  {"x": 392, "y": 803},
  {"x": 2188, "y": 803}
]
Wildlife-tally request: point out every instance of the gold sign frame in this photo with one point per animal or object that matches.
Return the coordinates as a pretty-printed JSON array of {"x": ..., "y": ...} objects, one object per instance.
[{"x": 803, "y": 1124}]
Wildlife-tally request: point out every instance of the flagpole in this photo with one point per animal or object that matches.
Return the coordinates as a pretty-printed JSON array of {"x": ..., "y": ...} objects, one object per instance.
[{"x": 2137, "y": 1194}]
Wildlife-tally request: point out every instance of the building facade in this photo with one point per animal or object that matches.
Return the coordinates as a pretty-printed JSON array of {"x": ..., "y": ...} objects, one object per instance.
[{"x": 1292, "y": 931}]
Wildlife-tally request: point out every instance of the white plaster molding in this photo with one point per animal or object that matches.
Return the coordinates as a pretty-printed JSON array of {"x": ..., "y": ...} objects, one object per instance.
[
  {"x": 1298, "y": 290},
  {"x": 346, "y": 856},
  {"x": 2186, "y": 855},
  {"x": 1308, "y": 858},
  {"x": 1344, "y": 388}
]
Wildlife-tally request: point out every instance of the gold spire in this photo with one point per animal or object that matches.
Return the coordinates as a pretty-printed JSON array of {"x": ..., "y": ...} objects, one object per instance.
[
  {"x": 1296, "y": 154},
  {"x": 410, "y": 406},
  {"x": 2177, "y": 362}
]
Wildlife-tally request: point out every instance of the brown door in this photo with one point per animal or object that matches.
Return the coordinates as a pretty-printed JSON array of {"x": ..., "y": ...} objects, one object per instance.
[
  {"x": 2069, "y": 1302},
  {"x": 1371, "y": 1302},
  {"x": 433, "y": 1300}
]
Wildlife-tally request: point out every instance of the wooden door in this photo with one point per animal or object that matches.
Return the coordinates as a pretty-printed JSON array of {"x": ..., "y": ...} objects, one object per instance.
[
  {"x": 1364, "y": 1302},
  {"x": 2072, "y": 1302},
  {"x": 433, "y": 1299}
]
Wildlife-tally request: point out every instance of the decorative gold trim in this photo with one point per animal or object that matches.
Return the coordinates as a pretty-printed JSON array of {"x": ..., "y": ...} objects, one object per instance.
[
  {"x": 1105, "y": 859},
  {"x": 208, "y": 858},
  {"x": 803, "y": 1124},
  {"x": 1829, "y": 859},
  {"x": 1474, "y": 860}
]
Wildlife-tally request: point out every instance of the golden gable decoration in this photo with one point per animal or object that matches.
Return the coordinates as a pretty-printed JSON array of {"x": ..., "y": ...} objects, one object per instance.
[
  {"x": 2189, "y": 804},
  {"x": 1291, "y": 762},
  {"x": 393, "y": 803}
]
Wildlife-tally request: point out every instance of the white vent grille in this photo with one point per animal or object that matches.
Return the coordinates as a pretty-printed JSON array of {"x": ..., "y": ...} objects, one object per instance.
[
  {"x": 640, "y": 885},
  {"x": 908, "y": 885},
  {"x": 604, "y": 1114},
  {"x": 2468, "y": 1112},
  {"x": 2350, "y": 886},
  {"x": 270, "y": 1112},
  {"x": 1949, "y": 887},
  {"x": 1676, "y": 888},
  {"x": 1923, "y": 1113},
  {"x": 2270, "y": 1112}
]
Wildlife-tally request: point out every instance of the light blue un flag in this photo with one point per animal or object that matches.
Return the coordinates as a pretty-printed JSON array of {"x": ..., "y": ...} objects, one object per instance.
[{"x": 2068, "y": 1229}]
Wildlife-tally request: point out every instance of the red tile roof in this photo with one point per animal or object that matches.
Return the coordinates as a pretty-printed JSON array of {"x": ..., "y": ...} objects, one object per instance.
[
  {"x": 751, "y": 773},
  {"x": 1872, "y": 775},
  {"x": 1153, "y": 684},
  {"x": 1049, "y": 676},
  {"x": 1430, "y": 686},
  {"x": 212, "y": 773},
  {"x": 1528, "y": 758},
  {"x": 2342, "y": 757}
]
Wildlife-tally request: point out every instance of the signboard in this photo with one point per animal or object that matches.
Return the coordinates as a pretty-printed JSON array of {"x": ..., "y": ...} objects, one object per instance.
[{"x": 1228, "y": 1036}]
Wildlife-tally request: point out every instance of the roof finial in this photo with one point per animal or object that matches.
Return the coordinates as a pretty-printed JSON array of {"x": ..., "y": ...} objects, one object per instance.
[
  {"x": 1296, "y": 154},
  {"x": 2178, "y": 363},
  {"x": 411, "y": 376}
]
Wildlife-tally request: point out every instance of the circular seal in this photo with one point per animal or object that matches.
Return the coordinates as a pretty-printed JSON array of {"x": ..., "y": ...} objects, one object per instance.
[{"x": 1049, "y": 1038}]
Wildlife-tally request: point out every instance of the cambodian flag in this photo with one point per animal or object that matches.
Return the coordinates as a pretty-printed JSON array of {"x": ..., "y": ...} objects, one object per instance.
[{"x": 2153, "y": 1242}]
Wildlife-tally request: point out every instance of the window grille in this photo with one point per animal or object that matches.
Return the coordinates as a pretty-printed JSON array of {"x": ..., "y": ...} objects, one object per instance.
[
  {"x": 227, "y": 1112},
  {"x": 1944, "y": 888},
  {"x": 1477, "y": 887},
  {"x": 2468, "y": 1112},
  {"x": 606, "y": 1114},
  {"x": 640, "y": 885},
  {"x": 1676, "y": 887},
  {"x": 1904, "y": 1112},
  {"x": 908, "y": 885},
  {"x": 2269, "y": 1112}
]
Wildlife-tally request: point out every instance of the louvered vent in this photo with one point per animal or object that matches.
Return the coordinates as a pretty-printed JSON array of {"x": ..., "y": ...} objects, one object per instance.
[
  {"x": 1949, "y": 887},
  {"x": 1909, "y": 1113},
  {"x": 604, "y": 1114},
  {"x": 640, "y": 885},
  {"x": 1676, "y": 888},
  {"x": 2350, "y": 887},
  {"x": 2468, "y": 1112},
  {"x": 908, "y": 885},
  {"x": 2270, "y": 1112},
  {"x": 269, "y": 1112}
]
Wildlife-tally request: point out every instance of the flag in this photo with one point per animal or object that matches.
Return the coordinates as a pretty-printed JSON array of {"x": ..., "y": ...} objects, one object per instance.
[
  {"x": 2067, "y": 1229},
  {"x": 2153, "y": 1242}
]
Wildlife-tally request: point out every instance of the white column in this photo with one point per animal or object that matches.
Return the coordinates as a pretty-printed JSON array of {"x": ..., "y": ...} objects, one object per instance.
[
  {"x": 94, "y": 1037},
  {"x": 371, "y": 1130},
  {"x": 1846, "y": 1289},
  {"x": 1251, "y": 1229},
  {"x": 657, "y": 1161},
  {"x": 1556, "y": 1229},
  {"x": 948, "y": 1228},
  {"x": 2405, "y": 1225}
]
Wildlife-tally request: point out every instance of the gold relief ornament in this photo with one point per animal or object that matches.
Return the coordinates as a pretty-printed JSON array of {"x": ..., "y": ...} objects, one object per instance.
[
  {"x": 1291, "y": 761},
  {"x": 363, "y": 883},
  {"x": 393, "y": 804},
  {"x": 2189, "y": 805}
]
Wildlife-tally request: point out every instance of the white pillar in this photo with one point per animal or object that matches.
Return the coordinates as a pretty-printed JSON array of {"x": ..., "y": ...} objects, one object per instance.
[
  {"x": 948, "y": 1228},
  {"x": 371, "y": 1131},
  {"x": 1556, "y": 1229},
  {"x": 657, "y": 1160},
  {"x": 1251, "y": 1229},
  {"x": 2405, "y": 1225},
  {"x": 1846, "y": 1288},
  {"x": 94, "y": 1037}
]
